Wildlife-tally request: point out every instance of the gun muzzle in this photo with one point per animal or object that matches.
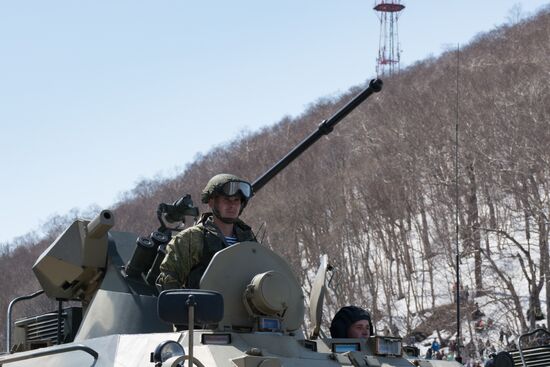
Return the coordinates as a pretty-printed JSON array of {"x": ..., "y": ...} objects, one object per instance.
[{"x": 101, "y": 224}]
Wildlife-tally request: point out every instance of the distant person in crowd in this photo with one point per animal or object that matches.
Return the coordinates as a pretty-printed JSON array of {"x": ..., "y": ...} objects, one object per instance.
[
  {"x": 452, "y": 346},
  {"x": 481, "y": 347},
  {"x": 351, "y": 322},
  {"x": 394, "y": 330},
  {"x": 479, "y": 325},
  {"x": 190, "y": 251},
  {"x": 477, "y": 314},
  {"x": 461, "y": 293},
  {"x": 466, "y": 294},
  {"x": 435, "y": 345},
  {"x": 429, "y": 353}
]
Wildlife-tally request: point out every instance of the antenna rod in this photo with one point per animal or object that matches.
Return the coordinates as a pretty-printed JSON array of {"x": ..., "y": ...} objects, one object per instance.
[{"x": 458, "y": 339}]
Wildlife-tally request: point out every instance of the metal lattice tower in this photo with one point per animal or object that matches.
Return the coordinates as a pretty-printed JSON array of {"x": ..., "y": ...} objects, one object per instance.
[{"x": 387, "y": 62}]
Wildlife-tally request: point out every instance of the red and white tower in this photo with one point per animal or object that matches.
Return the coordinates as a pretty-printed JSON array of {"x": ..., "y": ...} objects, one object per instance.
[{"x": 387, "y": 62}]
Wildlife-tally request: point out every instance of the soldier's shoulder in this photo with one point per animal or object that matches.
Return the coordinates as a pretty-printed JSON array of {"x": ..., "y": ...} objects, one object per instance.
[{"x": 196, "y": 229}]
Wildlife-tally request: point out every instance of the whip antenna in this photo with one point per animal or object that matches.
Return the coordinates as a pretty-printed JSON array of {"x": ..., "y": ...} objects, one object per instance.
[{"x": 458, "y": 339}]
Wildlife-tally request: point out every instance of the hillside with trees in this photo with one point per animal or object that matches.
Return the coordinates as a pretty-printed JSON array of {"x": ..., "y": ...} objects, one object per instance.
[{"x": 379, "y": 194}]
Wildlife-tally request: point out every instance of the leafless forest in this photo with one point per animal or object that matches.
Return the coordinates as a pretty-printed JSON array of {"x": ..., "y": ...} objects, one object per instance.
[{"x": 379, "y": 194}]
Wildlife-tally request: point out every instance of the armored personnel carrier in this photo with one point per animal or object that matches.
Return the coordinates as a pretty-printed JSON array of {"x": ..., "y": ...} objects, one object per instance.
[{"x": 249, "y": 310}]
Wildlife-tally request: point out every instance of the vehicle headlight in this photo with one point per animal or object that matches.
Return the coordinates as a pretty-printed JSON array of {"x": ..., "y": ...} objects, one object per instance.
[{"x": 167, "y": 349}]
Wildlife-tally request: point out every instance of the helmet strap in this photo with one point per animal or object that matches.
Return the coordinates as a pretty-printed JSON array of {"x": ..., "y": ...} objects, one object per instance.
[{"x": 216, "y": 213}]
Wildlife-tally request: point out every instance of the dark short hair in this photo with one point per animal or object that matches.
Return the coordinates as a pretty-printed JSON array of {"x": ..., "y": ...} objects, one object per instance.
[{"x": 345, "y": 317}]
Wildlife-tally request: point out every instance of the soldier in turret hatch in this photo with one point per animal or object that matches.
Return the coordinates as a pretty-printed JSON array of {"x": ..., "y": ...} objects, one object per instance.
[
  {"x": 351, "y": 322},
  {"x": 190, "y": 251}
]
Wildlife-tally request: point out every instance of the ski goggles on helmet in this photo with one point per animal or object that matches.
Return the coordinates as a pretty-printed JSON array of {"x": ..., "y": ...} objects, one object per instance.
[{"x": 233, "y": 188}]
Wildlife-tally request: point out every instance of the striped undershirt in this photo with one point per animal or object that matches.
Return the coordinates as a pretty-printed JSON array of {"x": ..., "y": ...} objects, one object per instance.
[{"x": 231, "y": 240}]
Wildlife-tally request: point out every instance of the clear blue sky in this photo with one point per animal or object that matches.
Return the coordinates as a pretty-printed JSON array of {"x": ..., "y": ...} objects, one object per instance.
[{"x": 96, "y": 95}]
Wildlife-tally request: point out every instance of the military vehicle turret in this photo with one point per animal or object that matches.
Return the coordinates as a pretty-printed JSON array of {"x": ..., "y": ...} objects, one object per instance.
[{"x": 248, "y": 312}]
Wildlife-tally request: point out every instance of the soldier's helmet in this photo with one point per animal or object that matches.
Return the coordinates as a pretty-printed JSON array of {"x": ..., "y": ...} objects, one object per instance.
[
  {"x": 228, "y": 185},
  {"x": 345, "y": 317}
]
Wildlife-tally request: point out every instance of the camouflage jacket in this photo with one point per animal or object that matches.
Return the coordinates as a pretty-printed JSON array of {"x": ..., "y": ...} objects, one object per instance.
[{"x": 190, "y": 251}]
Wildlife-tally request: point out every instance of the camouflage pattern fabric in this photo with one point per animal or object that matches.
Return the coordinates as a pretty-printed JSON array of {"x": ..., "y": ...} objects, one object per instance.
[{"x": 188, "y": 254}]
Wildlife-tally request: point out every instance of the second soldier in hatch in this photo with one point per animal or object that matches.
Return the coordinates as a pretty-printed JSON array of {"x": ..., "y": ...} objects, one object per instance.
[
  {"x": 190, "y": 251},
  {"x": 351, "y": 322}
]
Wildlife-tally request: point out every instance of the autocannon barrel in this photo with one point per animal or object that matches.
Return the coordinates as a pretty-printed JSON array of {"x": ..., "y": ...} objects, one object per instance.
[
  {"x": 101, "y": 224},
  {"x": 325, "y": 128}
]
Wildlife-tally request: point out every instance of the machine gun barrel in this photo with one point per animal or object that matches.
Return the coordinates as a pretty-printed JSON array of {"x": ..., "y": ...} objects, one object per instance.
[{"x": 325, "y": 128}]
